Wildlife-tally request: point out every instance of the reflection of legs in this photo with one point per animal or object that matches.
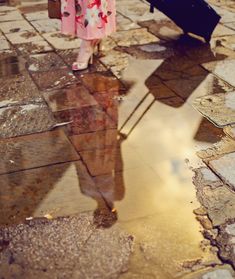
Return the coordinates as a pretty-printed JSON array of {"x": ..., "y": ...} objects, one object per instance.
[
  {"x": 100, "y": 155},
  {"x": 103, "y": 215},
  {"x": 111, "y": 187}
]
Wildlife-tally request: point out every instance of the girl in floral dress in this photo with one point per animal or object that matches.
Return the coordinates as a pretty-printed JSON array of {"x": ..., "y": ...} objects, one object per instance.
[{"x": 90, "y": 20}]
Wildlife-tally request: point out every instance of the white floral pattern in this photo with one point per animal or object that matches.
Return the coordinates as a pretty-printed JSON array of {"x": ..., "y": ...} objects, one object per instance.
[
  {"x": 88, "y": 19},
  {"x": 89, "y": 12},
  {"x": 92, "y": 17}
]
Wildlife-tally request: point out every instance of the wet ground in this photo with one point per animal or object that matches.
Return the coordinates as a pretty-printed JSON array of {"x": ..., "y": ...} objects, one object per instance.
[{"x": 98, "y": 165}]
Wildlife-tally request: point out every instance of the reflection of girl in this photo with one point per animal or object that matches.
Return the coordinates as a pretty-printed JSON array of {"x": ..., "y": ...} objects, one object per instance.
[
  {"x": 104, "y": 188},
  {"x": 101, "y": 172},
  {"x": 90, "y": 20}
]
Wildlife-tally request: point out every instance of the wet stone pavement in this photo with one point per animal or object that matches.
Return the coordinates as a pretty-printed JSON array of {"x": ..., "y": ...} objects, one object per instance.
[{"x": 124, "y": 170}]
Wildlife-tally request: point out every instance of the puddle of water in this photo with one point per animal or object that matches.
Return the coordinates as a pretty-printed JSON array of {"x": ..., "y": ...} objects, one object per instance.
[
  {"x": 159, "y": 194},
  {"x": 142, "y": 178}
]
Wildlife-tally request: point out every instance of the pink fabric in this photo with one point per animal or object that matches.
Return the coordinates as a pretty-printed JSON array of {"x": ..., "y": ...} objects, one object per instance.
[{"x": 88, "y": 19}]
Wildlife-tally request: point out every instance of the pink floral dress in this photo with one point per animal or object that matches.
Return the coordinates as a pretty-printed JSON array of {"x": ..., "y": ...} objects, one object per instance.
[{"x": 88, "y": 19}]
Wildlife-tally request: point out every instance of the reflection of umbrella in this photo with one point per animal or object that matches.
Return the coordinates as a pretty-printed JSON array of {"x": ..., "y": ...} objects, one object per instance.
[
  {"x": 174, "y": 80},
  {"x": 132, "y": 113}
]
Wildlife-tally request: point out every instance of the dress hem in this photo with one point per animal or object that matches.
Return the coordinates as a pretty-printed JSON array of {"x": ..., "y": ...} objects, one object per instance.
[{"x": 89, "y": 38}]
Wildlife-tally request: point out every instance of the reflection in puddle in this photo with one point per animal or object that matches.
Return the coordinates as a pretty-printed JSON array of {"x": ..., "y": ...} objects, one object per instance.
[
  {"x": 11, "y": 65},
  {"x": 130, "y": 166}
]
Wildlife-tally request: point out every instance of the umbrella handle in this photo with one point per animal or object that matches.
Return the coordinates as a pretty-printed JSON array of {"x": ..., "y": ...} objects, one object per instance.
[{"x": 125, "y": 135}]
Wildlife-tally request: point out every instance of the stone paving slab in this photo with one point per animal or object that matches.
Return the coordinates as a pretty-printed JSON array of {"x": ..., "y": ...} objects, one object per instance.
[
  {"x": 45, "y": 62},
  {"x": 53, "y": 80},
  {"x": 223, "y": 50},
  {"x": 4, "y": 45},
  {"x": 18, "y": 89},
  {"x": 5, "y": 54},
  {"x": 224, "y": 166},
  {"x": 116, "y": 61},
  {"x": 30, "y": 4},
  {"x": 40, "y": 191},
  {"x": 31, "y": 7},
  {"x": 208, "y": 86},
  {"x": 36, "y": 150},
  {"x": 62, "y": 42},
  {"x": 101, "y": 83},
  {"x": 4, "y": 8},
  {"x": 223, "y": 69},
  {"x": 10, "y": 15},
  {"x": 109, "y": 101},
  {"x": 68, "y": 247},
  {"x": 231, "y": 25},
  {"x": 185, "y": 87},
  {"x": 25, "y": 119},
  {"x": 23, "y": 37},
  {"x": 178, "y": 67},
  {"x": 36, "y": 15},
  {"x": 95, "y": 140},
  {"x": 68, "y": 55},
  {"x": 226, "y": 242},
  {"x": 15, "y": 26},
  {"x": 222, "y": 3},
  {"x": 229, "y": 42},
  {"x": 137, "y": 11},
  {"x": 73, "y": 97},
  {"x": 124, "y": 23},
  {"x": 84, "y": 120},
  {"x": 227, "y": 16},
  {"x": 219, "y": 272},
  {"x": 46, "y": 25},
  {"x": 225, "y": 146},
  {"x": 108, "y": 44},
  {"x": 230, "y": 131},
  {"x": 163, "y": 29},
  {"x": 149, "y": 51},
  {"x": 222, "y": 30},
  {"x": 115, "y": 254},
  {"x": 218, "y": 108},
  {"x": 27, "y": 49},
  {"x": 214, "y": 195},
  {"x": 134, "y": 37}
]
